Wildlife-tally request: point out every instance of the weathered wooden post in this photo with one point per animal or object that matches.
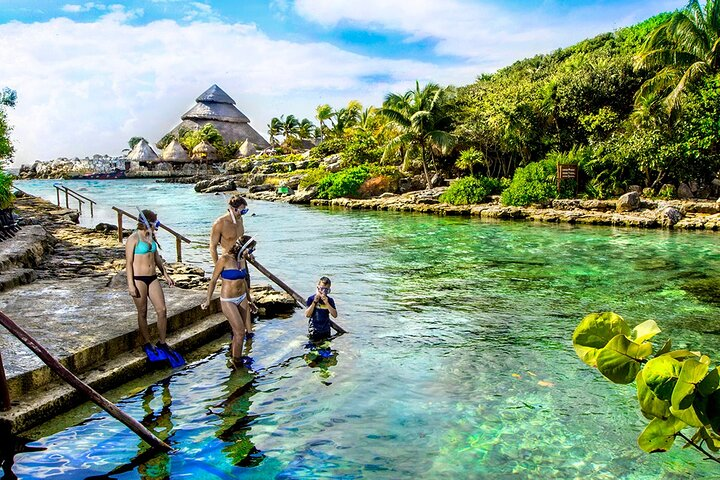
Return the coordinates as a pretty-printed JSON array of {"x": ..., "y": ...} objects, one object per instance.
[
  {"x": 178, "y": 247},
  {"x": 120, "y": 227},
  {"x": 82, "y": 387}
]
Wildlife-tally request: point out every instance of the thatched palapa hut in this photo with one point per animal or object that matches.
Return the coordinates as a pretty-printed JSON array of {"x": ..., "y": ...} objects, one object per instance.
[
  {"x": 247, "y": 148},
  {"x": 142, "y": 152},
  {"x": 205, "y": 152},
  {"x": 175, "y": 152},
  {"x": 216, "y": 107}
]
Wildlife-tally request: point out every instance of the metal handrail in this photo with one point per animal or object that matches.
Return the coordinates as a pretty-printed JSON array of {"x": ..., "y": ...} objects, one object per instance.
[
  {"x": 178, "y": 237},
  {"x": 72, "y": 193}
]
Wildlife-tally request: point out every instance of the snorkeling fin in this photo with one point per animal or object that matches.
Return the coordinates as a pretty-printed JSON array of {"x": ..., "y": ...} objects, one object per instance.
[
  {"x": 174, "y": 358},
  {"x": 154, "y": 354}
]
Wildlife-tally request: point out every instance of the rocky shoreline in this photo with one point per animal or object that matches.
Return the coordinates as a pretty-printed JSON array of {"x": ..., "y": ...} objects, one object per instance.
[{"x": 630, "y": 210}]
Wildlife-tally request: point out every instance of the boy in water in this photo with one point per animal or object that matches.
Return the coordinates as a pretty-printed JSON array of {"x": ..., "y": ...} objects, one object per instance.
[{"x": 320, "y": 307}]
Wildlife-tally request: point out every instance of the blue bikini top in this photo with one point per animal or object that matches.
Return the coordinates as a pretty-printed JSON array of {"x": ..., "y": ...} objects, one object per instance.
[
  {"x": 233, "y": 274},
  {"x": 143, "y": 247}
]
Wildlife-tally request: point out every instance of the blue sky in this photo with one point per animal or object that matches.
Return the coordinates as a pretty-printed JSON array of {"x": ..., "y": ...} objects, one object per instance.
[{"x": 90, "y": 75}]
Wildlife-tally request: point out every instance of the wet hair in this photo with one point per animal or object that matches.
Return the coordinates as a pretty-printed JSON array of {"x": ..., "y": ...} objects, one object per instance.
[
  {"x": 325, "y": 281},
  {"x": 235, "y": 249},
  {"x": 237, "y": 201},
  {"x": 150, "y": 216}
]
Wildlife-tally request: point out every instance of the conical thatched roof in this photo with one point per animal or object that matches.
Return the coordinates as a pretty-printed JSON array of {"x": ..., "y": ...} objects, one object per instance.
[
  {"x": 204, "y": 151},
  {"x": 142, "y": 152},
  {"x": 247, "y": 148},
  {"x": 175, "y": 152},
  {"x": 215, "y": 107}
]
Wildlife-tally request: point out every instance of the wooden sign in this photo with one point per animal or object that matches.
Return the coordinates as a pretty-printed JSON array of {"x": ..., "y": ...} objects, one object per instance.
[{"x": 567, "y": 172}]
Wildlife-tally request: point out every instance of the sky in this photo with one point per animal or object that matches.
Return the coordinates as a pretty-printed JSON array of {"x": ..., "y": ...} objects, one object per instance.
[{"x": 91, "y": 75}]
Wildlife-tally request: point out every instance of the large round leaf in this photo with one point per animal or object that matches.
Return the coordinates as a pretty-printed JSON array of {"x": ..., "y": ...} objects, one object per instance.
[
  {"x": 619, "y": 360},
  {"x": 691, "y": 374},
  {"x": 661, "y": 374},
  {"x": 659, "y": 435},
  {"x": 594, "y": 332},
  {"x": 710, "y": 383},
  {"x": 650, "y": 405},
  {"x": 645, "y": 331}
]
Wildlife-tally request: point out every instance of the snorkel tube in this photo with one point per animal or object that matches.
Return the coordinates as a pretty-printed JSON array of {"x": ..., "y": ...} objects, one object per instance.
[
  {"x": 244, "y": 247},
  {"x": 144, "y": 220}
]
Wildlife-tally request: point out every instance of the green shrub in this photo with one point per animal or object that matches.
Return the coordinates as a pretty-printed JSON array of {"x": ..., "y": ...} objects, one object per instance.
[
  {"x": 360, "y": 149},
  {"x": 313, "y": 176},
  {"x": 469, "y": 190},
  {"x": 344, "y": 183},
  {"x": 6, "y": 196},
  {"x": 328, "y": 147},
  {"x": 534, "y": 183}
]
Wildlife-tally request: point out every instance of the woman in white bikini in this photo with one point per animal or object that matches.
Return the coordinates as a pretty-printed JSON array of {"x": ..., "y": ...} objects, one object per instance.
[{"x": 234, "y": 296}]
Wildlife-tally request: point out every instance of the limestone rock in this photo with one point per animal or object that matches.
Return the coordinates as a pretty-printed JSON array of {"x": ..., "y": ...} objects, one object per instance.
[
  {"x": 669, "y": 216},
  {"x": 684, "y": 192},
  {"x": 635, "y": 188},
  {"x": 628, "y": 202}
]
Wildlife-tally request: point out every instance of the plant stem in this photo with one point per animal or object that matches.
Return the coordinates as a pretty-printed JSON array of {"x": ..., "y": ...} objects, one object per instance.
[{"x": 699, "y": 447}]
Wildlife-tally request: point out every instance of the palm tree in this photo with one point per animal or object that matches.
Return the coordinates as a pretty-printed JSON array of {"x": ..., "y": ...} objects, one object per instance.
[
  {"x": 305, "y": 129},
  {"x": 274, "y": 130},
  {"x": 422, "y": 122},
  {"x": 685, "y": 48},
  {"x": 323, "y": 113},
  {"x": 289, "y": 126}
]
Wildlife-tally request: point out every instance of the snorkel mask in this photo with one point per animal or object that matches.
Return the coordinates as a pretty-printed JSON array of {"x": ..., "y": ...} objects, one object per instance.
[
  {"x": 141, "y": 216},
  {"x": 242, "y": 212}
]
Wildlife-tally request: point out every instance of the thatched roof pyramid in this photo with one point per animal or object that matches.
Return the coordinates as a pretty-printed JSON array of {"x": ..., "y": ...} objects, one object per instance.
[
  {"x": 142, "y": 152},
  {"x": 174, "y": 152},
  {"x": 247, "y": 148},
  {"x": 216, "y": 107}
]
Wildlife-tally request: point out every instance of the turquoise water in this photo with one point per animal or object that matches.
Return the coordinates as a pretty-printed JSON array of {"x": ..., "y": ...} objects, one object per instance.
[{"x": 458, "y": 365}]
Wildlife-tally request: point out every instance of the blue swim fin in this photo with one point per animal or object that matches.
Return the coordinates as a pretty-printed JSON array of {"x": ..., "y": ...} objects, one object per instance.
[
  {"x": 154, "y": 354},
  {"x": 174, "y": 358}
]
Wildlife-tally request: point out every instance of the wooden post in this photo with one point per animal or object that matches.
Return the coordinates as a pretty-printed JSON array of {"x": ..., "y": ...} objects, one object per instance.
[
  {"x": 4, "y": 390},
  {"x": 82, "y": 387},
  {"x": 91, "y": 209},
  {"x": 120, "y": 227},
  {"x": 67, "y": 203},
  {"x": 178, "y": 247},
  {"x": 57, "y": 191},
  {"x": 300, "y": 300}
]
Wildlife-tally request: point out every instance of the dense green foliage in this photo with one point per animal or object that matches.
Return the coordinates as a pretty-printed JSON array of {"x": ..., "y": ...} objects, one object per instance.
[
  {"x": 8, "y": 98},
  {"x": 469, "y": 190},
  {"x": 344, "y": 183},
  {"x": 676, "y": 389},
  {"x": 361, "y": 148},
  {"x": 534, "y": 183},
  {"x": 6, "y": 196}
]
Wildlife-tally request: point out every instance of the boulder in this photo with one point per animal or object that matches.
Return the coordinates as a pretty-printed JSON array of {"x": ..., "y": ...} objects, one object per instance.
[
  {"x": 684, "y": 192},
  {"x": 261, "y": 188},
  {"x": 628, "y": 202},
  {"x": 304, "y": 196},
  {"x": 668, "y": 216},
  {"x": 635, "y": 188},
  {"x": 226, "y": 186}
]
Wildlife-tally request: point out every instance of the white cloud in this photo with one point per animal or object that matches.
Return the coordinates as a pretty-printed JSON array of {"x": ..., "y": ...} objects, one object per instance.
[
  {"x": 86, "y": 7},
  {"x": 86, "y": 88},
  {"x": 487, "y": 32}
]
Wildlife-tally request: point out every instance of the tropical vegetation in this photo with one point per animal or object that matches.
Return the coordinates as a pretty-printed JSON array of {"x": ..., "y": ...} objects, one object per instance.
[
  {"x": 638, "y": 106},
  {"x": 677, "y": 390},
  {"x": 8, "y": 98}
]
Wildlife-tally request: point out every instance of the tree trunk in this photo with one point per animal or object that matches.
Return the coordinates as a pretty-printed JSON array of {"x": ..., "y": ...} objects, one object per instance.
[{"x": 425, "y": 169}]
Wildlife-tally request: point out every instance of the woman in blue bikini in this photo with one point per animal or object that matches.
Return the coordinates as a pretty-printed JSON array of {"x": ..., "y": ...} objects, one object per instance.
[
  {"x": 142, "y": 259},
  {"x": 234, "y": 296}
]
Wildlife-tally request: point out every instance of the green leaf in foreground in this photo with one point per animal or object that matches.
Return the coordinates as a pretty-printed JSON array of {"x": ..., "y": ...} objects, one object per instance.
[
  {"x": 594, "y": 332},
  {"x": 691, "y": 374},
  {"x": 619, "y": 360},
  {"x": 650, "y": 406},
  {"x": 661, "y": 374},
  {"x": 659, "y": 435},
  {"x": 645, "y": 331}
]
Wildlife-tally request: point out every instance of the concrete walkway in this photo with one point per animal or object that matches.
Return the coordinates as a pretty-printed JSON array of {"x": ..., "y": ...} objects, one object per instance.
[{"x": 90, "y": 327}]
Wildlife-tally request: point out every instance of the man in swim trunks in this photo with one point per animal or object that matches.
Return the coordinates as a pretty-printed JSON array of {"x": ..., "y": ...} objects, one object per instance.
[
  {"x": 319, "y": 308},
  {"x": 228, "y": 228}
]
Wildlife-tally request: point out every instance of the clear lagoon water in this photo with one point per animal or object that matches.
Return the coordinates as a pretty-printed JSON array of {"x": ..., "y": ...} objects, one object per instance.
[{"x": 459, "y": 363}]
